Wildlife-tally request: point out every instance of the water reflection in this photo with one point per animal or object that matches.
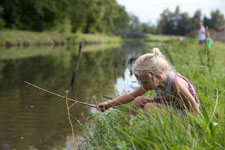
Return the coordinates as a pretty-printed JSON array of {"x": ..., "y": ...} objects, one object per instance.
[
  {"x": 127, "y": 83},
  {"x": 31, "y": 119}
]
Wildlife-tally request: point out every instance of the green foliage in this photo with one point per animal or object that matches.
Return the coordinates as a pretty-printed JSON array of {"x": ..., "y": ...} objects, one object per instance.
[
  {"x": 217, "y": 19},
  {"x": 2, "y": 24},
  {"x": 177, "y": 23},
  {"x": 94, "y": 16},
  {"x": 134, "y": 23},
  {"x": 32, "y": 15},
  {"x": 136, "y": 26},
  {"x": 160, "y": 129},
  {"x": 196, "y": 18},
  {"x": 87, "y": 16}
]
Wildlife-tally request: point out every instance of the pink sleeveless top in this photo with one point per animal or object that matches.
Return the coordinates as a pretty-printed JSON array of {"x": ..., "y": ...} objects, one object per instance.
[{"x": 165, "y": 96}]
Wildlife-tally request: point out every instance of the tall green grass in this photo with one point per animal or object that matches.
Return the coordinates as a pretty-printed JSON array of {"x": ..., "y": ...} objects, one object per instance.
[{"x": 167, "y": 130}]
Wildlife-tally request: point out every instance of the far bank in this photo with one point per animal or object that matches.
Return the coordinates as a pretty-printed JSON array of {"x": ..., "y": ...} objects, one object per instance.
[{"x": 27, "y": 38}]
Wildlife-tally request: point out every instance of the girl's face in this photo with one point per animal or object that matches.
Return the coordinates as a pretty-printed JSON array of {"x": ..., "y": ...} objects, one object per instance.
[{"x": 146, "y": 82}]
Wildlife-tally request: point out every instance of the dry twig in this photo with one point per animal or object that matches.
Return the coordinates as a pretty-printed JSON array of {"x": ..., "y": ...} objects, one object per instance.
[
  {"x": 69, "y": 118},
  {"x": 63, "y": 97}
]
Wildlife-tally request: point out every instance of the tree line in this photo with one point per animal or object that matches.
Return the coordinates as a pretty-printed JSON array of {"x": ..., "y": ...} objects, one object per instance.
[
  {"x": 86, "y": 16},
  {"x": 178, "y": 23},
  {"x": 96, "y": 16}
]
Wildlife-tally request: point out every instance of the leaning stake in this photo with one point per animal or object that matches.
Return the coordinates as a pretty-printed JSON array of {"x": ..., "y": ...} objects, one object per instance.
[{"x": 63, "y": 97}]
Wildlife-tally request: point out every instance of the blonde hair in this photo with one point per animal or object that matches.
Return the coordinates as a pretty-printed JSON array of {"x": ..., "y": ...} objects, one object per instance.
[
  {"x": 207, "y": 34},
  {"x": 152, "y": 64}
]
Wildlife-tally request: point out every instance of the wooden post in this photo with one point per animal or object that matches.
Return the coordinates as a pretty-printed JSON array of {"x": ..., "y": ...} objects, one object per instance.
[{"x": 76, "y": 66}]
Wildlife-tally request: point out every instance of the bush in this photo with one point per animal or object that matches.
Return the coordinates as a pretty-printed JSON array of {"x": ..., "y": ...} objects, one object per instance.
[{"x": 2, "y": 24}]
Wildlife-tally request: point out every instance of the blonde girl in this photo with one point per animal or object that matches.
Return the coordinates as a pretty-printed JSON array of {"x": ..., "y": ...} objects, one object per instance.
[{"x": 155, "y": 73}]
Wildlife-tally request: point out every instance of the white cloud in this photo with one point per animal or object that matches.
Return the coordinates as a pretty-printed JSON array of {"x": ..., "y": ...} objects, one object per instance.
[{"x": 149, "y": 10}]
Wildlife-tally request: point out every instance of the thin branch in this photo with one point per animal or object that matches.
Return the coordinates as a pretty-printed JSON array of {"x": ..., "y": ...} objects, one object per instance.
[
  {"x": 63, "y": 97},
  {"x": 73, "y": 105},
  {"x": 69, "y": 118},
  {"x": 107, "y": 97}
]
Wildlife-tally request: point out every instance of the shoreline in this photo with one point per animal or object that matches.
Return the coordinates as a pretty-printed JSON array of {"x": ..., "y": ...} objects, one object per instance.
[{"x": 14, "y": 38}]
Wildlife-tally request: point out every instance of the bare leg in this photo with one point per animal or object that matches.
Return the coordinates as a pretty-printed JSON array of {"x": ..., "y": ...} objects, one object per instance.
[{"x": 139, "y": 102}]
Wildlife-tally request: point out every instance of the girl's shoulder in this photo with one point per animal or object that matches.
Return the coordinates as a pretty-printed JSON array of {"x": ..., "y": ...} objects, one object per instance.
[{"x": 178, "y": 83}]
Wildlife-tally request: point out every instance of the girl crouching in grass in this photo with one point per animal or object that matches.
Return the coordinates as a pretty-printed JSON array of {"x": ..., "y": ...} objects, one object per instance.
[{"x": 155, "y": 73}]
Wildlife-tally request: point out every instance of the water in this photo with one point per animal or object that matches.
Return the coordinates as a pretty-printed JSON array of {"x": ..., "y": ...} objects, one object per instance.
[{"x": 31, "y": 119}]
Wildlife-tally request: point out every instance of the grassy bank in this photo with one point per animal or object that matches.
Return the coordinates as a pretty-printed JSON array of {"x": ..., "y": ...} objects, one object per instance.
[
  {"x": 26, "y": 38},
  {"x": 159, "y": 38},
  {"x": 16, "y": 52},
  {"x": 162, "y": 130}
]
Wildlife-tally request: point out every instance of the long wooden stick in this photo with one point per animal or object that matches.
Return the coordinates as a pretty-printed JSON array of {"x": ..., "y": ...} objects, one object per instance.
[
  {"x": 107, "y": 97},
  {"x": 76, "y": 66},
  {"x": 63, "y": 97}
]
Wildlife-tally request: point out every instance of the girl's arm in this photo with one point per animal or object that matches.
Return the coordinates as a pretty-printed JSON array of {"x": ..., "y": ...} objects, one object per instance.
[
  {"x": 189, "y": 100},
  {"x": 123, "y": 99}
]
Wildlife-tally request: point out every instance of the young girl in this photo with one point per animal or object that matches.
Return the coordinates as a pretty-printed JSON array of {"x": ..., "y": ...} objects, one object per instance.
[
  {"x": 207, "y": 42},
  {"x": 155, "y": 73}
]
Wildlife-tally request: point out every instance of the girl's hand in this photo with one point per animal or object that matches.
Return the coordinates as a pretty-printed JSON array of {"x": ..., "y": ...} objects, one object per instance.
[{"x": 104, "y": 106}]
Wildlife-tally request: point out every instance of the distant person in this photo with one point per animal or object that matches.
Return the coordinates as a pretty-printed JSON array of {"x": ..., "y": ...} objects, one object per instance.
[
  {"x": 201, "y": 34},
  {"x": 207, "y": 45},
  {"x": 207, "y": 42},
  {"x": 179, "y": 39},
  {"x": 155, "y": 73}
]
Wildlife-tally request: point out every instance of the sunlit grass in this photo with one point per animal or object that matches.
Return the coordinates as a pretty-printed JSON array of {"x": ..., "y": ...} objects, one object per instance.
[
  {"x": 159, "y": 38},
  {"x": 18, "y": 52},
  {"x": 34, "y": 51},
  {"x": 26, "y": 38},
  {"x": 167, "y": 130}
]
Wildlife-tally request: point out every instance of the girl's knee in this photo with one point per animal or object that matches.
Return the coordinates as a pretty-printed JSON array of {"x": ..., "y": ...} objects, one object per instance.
[
  {"x": 138, "y": 101},
  {"x": 148, "y": 106}
]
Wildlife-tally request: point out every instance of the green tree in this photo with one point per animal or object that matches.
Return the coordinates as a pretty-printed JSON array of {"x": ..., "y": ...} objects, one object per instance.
[
  {"x": 135, "y": 24},
  {"x": 88, "y": 16},
  {"x": 176, "y": 23},
  {"x": 165, "y": 23},
  {"x": 207, "y": 22},
  {"x": 122, "y": 20},
  {"x": 10, "y": 13},
  {"x": 2, "y": 22},
  {"x": 217, "y": 19},
  {"x": 184, "y": 24},
  {"x": 196, "y": 19},
  {"x": 33, "y": 15}
]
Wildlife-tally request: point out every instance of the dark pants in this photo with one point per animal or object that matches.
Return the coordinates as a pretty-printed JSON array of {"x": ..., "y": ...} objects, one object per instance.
[{"x": 200, "y": 42}]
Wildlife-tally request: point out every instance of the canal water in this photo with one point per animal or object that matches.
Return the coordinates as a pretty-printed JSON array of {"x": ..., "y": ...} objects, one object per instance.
[{"x": 31, "y": 119}]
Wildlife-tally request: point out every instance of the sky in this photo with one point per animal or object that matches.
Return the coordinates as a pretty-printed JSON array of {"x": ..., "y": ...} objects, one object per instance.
[{"x": 148, "y": 11}]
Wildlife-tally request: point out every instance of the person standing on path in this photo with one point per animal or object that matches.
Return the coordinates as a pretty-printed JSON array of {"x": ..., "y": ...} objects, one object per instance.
[{"x": 201, "y": 34}]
